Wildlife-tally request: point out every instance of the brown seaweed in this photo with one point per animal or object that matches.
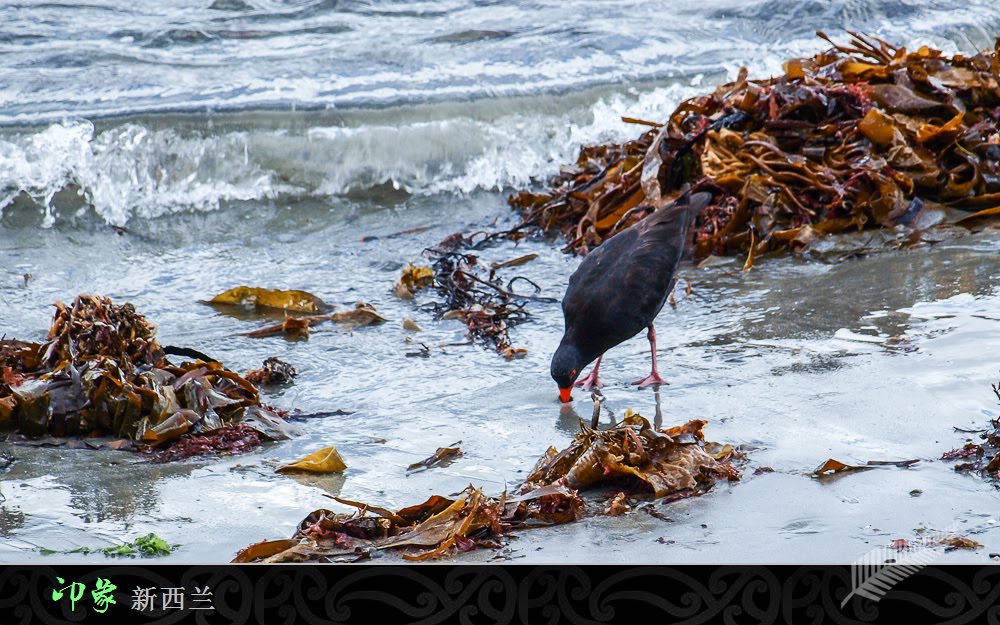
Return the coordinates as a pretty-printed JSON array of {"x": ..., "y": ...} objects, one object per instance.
[
  {"x": 439, "y": 526},
  {"x": 670, "y": 463},
  {"x": 440, "y": 456},
  {"x": 272, "y": 371},
  {"x": 666, "y": 464},
  {"x": 983, "y": 457},
  {"x": 298, "y": 327},
  {"x": 863, "y": 135},
  {"x": 326, "y": 460},
  {"x": 101, "y": 372},
  {"x": 478, "y": 297},
  {"x": 256, "y": 297},
  {"x": 412, "y": 279}
]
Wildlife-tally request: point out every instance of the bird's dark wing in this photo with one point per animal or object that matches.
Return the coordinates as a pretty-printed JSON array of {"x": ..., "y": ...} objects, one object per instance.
[
  {"x": 657, "y": 252},
  {"x": 594, "y": 301},
  {"x": 620, "y": 287}
]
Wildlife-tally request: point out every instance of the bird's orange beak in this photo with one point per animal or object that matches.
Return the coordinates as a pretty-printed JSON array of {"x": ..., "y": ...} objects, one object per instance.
[{"x": 564, "y": 395}]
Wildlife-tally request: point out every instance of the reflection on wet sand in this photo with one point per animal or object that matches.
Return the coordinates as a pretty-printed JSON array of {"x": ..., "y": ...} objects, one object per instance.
[{"x": 569, "y": 419}]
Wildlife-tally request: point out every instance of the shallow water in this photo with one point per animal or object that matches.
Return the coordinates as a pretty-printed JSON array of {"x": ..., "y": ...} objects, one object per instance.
[
  {"x": 287, "y": 188},
  {"x": 789, "y": 360}
]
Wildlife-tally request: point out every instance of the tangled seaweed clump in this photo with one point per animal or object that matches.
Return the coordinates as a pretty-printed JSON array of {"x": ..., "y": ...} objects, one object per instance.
[
  {"x": 668, "y": 464},
  {"x": 864, "y": 135},
  {"x": 982, "y": 458},
  {"x": 469, "y": 520},
  {"x": 674, "y": 463},
  {"x": 481, "y": 301},
  {"x": 101, "y": 372},
  {"x": 472, "y": 292}
]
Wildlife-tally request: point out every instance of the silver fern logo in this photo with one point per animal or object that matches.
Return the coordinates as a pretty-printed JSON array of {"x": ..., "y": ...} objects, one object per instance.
[{"x": 876, "y": 572}]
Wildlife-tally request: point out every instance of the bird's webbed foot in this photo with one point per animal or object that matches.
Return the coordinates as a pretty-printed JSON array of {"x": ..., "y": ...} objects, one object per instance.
[
  {"x": 653, "y": 379},
  {"x": 589, "y": 381}
]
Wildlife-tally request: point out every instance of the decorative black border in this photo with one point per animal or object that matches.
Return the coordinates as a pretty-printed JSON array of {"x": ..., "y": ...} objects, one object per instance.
[{"x": 500, "y": 594}]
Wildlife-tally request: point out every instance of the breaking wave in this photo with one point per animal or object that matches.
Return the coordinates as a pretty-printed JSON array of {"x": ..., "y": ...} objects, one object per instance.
[
  {"x": 128, "y": 170},
  {"x": 148, "y": 168}
]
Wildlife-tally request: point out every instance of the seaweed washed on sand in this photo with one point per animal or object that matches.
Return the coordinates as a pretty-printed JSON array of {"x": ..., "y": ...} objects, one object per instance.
[
  {"x": 980, "y": 458},
  {"x": 861, "y": 136},
  {"x": 640, "y": 460},
  {"x": 101, "y": 372}
]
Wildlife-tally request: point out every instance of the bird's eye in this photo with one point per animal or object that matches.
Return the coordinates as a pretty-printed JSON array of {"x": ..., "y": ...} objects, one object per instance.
[{"x": 573, "y": 373}]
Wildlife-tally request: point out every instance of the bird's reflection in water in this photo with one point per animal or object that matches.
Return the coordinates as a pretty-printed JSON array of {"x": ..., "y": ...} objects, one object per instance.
[
  {"x": 569, "y": 419},
  {"x": 658, "y": 417}
]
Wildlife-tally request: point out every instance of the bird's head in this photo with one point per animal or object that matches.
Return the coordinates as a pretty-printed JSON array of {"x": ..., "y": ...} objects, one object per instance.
[{"x": 567, "y": 363}]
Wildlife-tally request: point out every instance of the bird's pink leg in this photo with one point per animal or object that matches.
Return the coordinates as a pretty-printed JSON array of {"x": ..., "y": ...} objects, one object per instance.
[
  {"x": 591, "y": 380},
  {"x": 653, "y": 379}
]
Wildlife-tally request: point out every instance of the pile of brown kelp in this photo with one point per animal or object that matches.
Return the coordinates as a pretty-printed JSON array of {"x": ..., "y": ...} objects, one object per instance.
[
  {"x": 860, "y": 136},
  {"x": 674, "y": 463},
  {"x": 667, "y": 464},
  {"x": 101, "y": 372},
  {"x": 982, "y": 458}
]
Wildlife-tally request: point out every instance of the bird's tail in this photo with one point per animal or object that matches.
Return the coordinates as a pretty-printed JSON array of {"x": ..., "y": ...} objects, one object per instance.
[
  {"x": 689, "y": 203},
  {"x": 675, "y": 220},
  {"x": 683, "y": 211}
]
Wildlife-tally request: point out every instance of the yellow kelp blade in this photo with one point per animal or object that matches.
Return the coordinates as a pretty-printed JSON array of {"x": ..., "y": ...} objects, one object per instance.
[
  {"x": 326, "y": 460},
  {"x": 254, "y": 297}
]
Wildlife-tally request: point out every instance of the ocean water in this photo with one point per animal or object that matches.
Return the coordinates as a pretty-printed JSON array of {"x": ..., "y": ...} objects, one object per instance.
[
  {"x": 162, "y": 152},
  {"x": 129, "y": 109}
]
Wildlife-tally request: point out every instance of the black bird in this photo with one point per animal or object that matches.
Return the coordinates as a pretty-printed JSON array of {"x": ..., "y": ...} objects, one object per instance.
[{"x": 618, "y": 290}]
